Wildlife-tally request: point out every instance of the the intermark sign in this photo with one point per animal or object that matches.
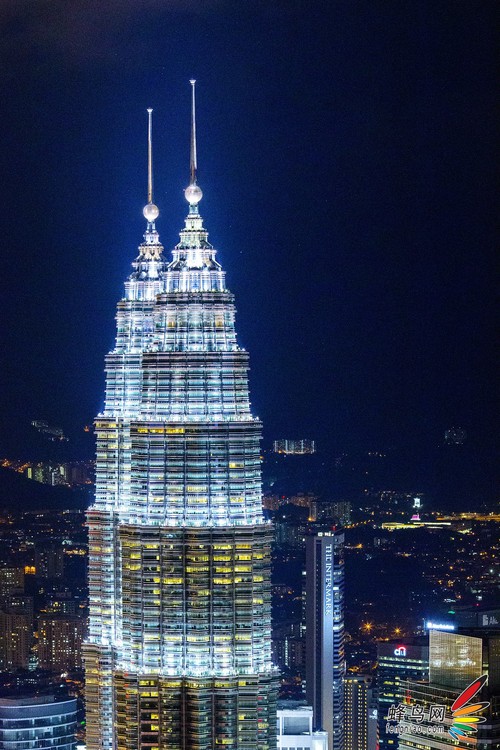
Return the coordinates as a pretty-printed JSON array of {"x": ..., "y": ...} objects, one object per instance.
[
  {"x": 325, "y": 572},
  {"x": 329, "y": 579},
  {"x": 325, "y": 663}
]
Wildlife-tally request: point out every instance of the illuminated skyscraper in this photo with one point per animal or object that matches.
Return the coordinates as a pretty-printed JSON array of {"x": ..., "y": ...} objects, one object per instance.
[
  {"x": 325, "y": 656},
  {"x": 360, "y": 718},
  {"x": 398, "y": 661},
  {"x": 179, "y": 650},
  {"x": 455, "y": 661}
]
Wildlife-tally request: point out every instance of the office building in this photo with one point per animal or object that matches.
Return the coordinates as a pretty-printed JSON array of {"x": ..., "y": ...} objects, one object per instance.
[
  {"x": 360, "y": 713},
  {"x": 19, "y": 603},
  {"x": 455, "y": 661},
  {"x": 397, "y": 662},
  {"x": 16, "y": 633},
  {"x": 325, "y": 658},
  {"x": 60, "y": 603},
  {"x": 11, "y": 579},
  {"x": 179, "y": 647},
  {"x": 60, "y": 639},
  {"x": 49, "y": 560},
  {"x": 37, "y": 723}
]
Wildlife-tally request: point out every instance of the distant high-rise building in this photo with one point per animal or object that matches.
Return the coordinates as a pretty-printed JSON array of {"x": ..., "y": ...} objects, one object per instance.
[
  {"x": 11, "y": 578},
  {"x": 398, "y": 661},
  {"x": 271, "y": 502},
  {"x": 288, "y": 646},
  {"x": 16, "y": 633},
  {"x": 337, "y": 510},
  {"x": 49, "y": 560},
  {"x": 360, "y": 713},
  {"x": 38, "y": 722},
  {"x": 290, "y": 531},
  {"x": 79, "y": 473},
  {"x": 60, "y": 603},
  {"x": 47, "y": 473},
  {"x": 455, "y": 661},
  {"x": 60, "y": 639},
  {"x": 19, "y": 603},
  {"x": 303, "y": 500},
  {"x": 325, "y": 658},
  {"x": 294, "y": 447},
  {"x": 179, "y": 648}
]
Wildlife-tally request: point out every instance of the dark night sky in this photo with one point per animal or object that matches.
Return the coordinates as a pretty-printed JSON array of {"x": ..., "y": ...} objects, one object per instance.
[{"x": 346, "y": 154}]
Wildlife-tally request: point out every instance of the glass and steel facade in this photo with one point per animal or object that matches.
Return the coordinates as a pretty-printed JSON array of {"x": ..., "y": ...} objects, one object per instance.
[
  {"x": 455, "y": 659},
  {"x": 179, "y": 651},
  {"x": 398, "y": 661}
]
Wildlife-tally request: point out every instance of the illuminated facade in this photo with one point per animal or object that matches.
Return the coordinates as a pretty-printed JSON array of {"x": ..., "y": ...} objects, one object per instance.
[
  {"x": 325, "y": 655},
  {"x": 398, "y": 661},
  {"x": 360, "y": 726},
  {"x": 455, "y": 661},
  {"x": 179, "y": 648},
  {"x": 60, "y": 642}
]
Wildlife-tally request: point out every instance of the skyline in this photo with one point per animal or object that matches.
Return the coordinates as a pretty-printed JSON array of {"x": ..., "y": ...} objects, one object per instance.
[{"x": 387, "y": 332}]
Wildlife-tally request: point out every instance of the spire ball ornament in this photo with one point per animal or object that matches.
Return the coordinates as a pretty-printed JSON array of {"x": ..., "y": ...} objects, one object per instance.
[
  {"x": 193, "y": 194},
  {"x": 151, "y": 212}
]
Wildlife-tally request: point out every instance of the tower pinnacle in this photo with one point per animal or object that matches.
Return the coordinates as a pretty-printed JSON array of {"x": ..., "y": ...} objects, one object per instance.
[
  {"x": 193, "y": 193},
  {"x": 150, "y": 211}
]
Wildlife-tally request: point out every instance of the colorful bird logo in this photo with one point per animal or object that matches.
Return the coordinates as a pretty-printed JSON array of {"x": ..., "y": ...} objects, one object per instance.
[{"x": 464, "y": 719}]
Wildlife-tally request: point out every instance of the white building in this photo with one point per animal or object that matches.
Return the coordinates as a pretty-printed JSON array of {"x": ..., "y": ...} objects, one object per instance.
[{"x": 295, "y": 730}]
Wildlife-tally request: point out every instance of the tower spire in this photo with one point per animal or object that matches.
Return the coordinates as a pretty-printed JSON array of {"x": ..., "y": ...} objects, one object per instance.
[
  {"x": 193, "y": 193},
  {"x": 150, "y": 155},
  {"x": 193, "y": 165},
  {"x": 150, "y": 211}
]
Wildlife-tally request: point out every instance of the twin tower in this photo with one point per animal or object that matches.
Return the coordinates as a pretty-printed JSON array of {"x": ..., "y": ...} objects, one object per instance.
[{"x": 179, "y": 649}]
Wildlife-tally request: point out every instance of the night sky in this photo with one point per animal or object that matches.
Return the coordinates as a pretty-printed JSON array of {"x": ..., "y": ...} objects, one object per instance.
[{"x": 346, "y": 155}]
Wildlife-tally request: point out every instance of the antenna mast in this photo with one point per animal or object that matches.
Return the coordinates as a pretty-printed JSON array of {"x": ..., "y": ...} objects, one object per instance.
[{"x": 193, "y": 162}]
